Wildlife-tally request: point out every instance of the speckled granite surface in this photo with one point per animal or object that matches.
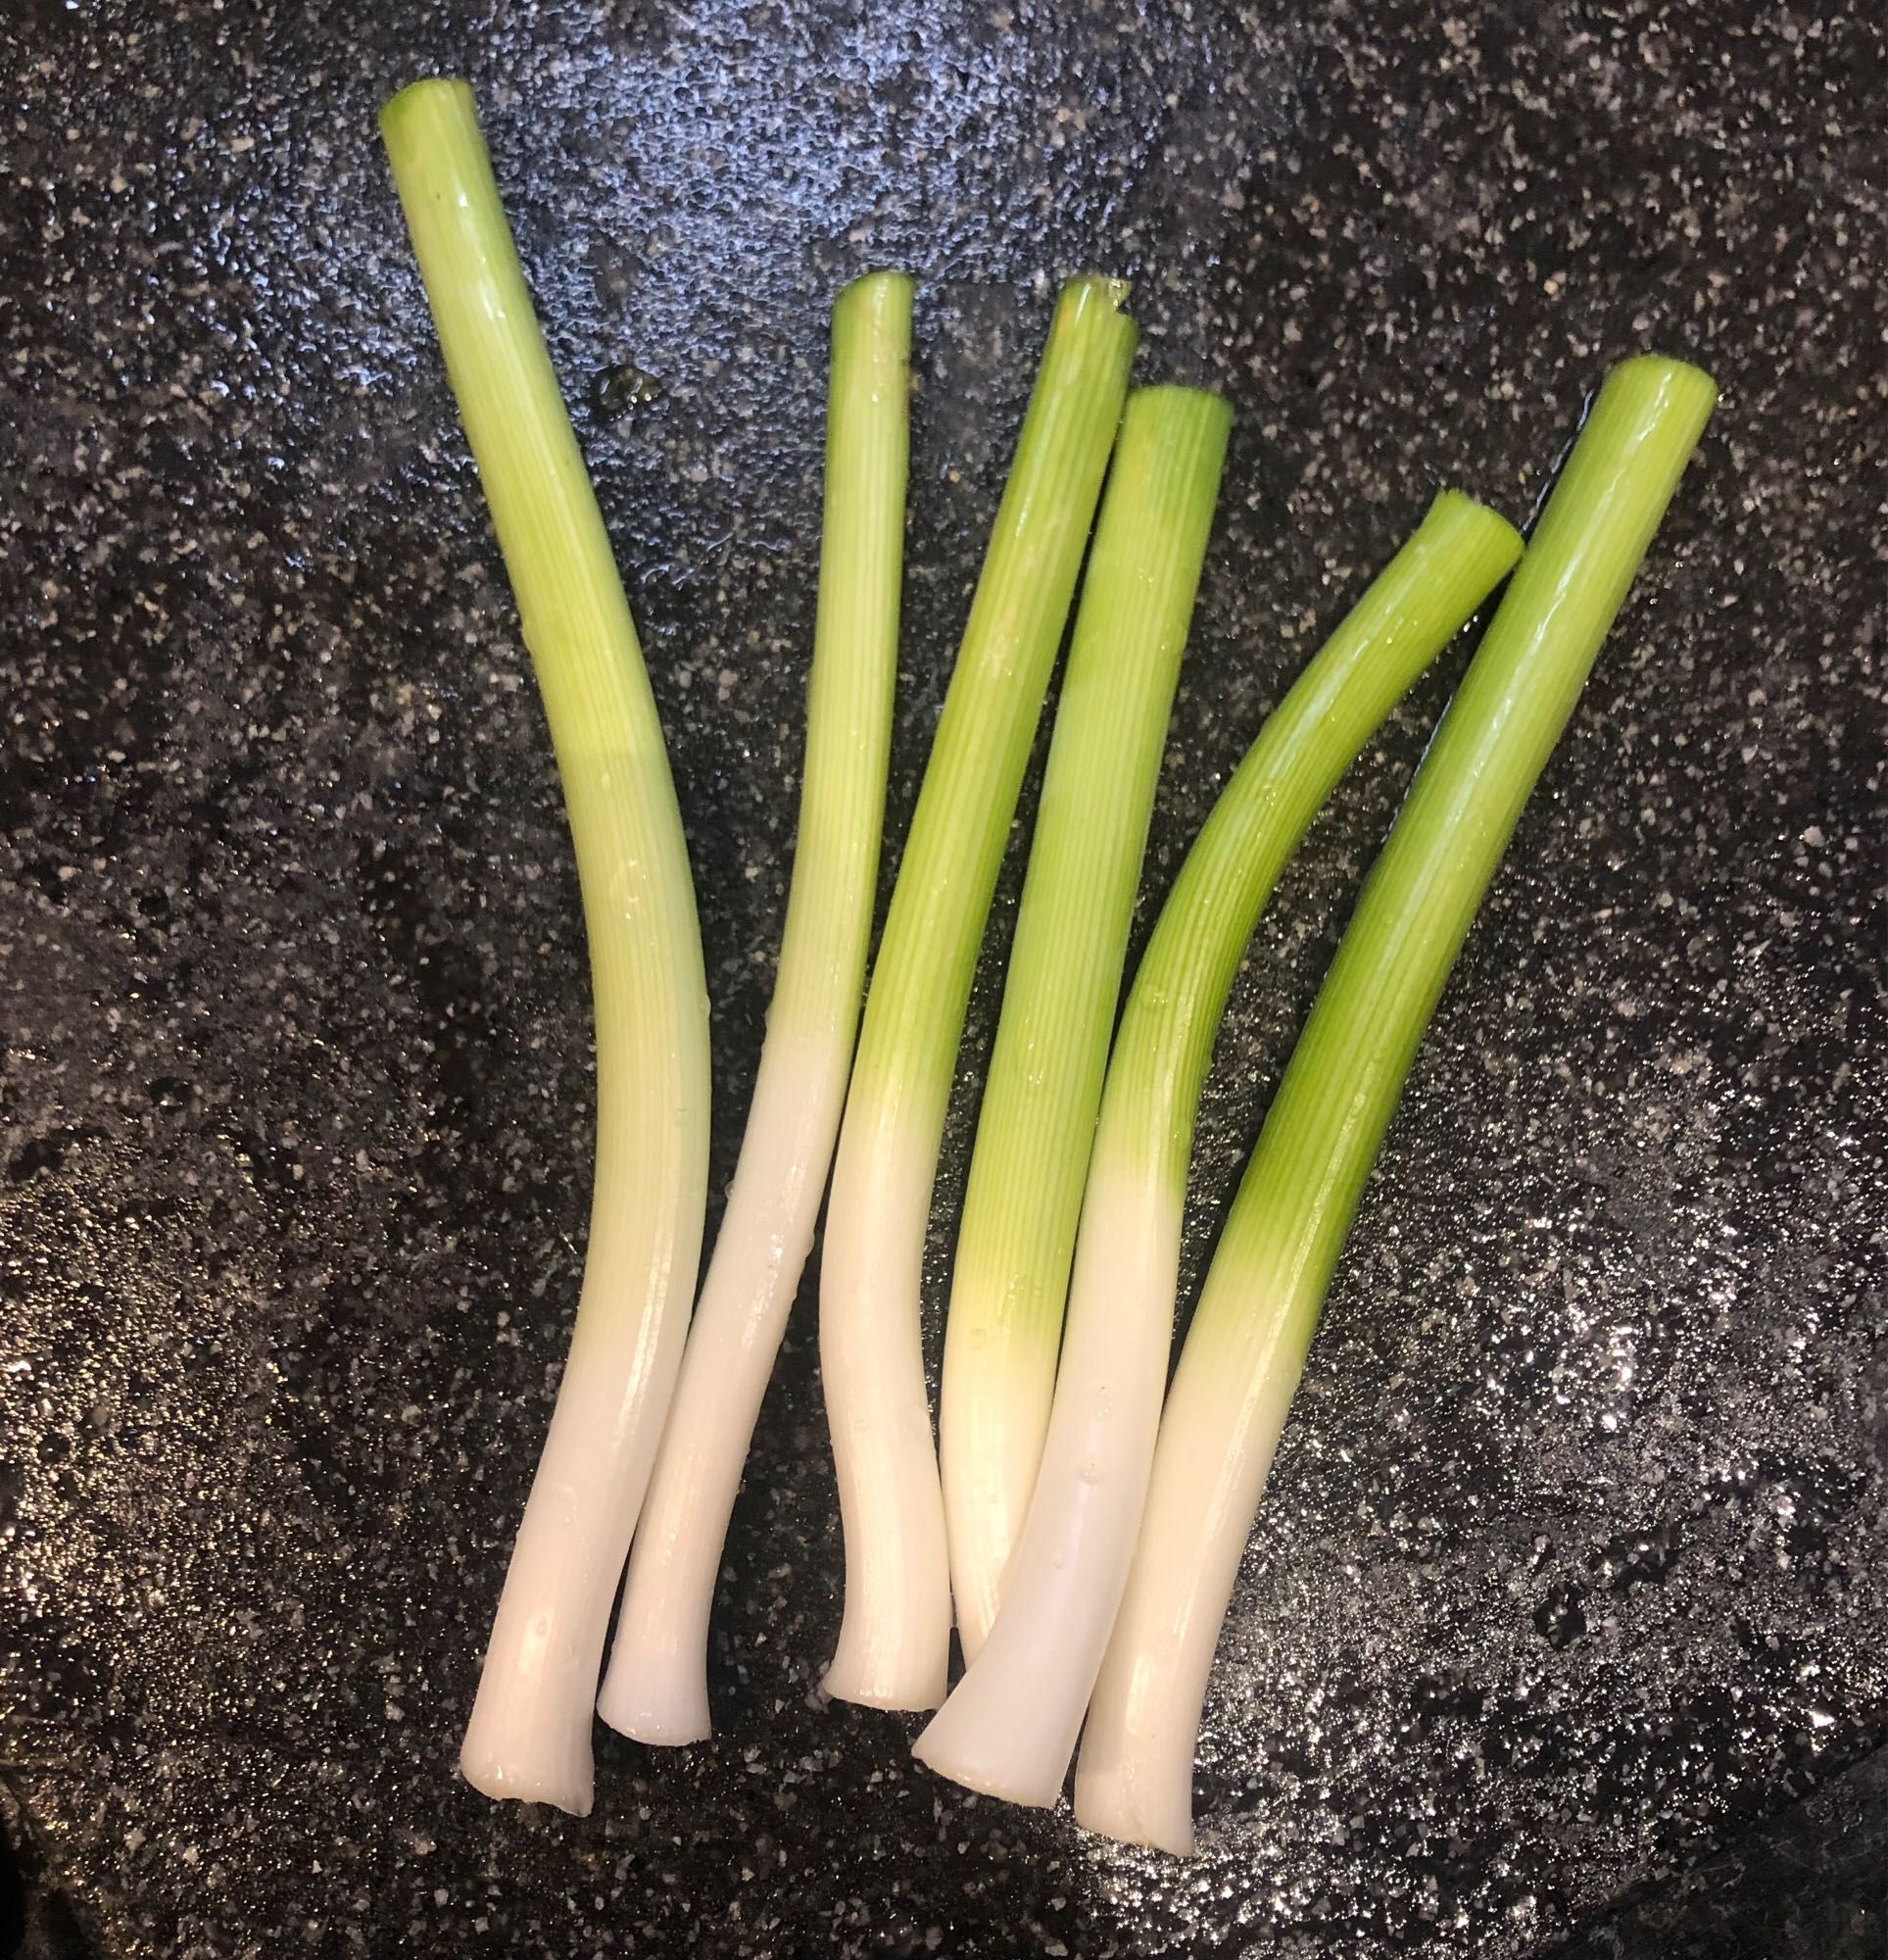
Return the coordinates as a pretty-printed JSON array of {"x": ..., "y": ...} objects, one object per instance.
[
  {"x": 1813, "y": 1880},
  {"x": 1574, "y": 1564}
]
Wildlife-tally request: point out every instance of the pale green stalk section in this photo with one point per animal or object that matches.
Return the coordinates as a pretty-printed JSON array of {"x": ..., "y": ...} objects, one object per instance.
[
  {"x": 1267, "y": 1284},
  {"x": 1037, "y": 1123},
  {"x": 1009, "y": 1727},
  {"x": 1458, "y": 554},
  {"x": 895, "y": 1635},
  {"x": 529, "y": 1734},
  {"x": 656, "y": 1688}
]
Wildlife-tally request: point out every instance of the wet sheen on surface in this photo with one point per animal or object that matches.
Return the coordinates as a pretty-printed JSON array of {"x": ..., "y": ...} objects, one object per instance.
[{"x": 1569, "y": 1569}]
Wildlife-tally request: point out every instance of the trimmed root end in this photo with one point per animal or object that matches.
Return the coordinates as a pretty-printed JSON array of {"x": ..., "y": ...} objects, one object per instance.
[
  {"x": 1111, "y": 1816},
  {"x": 562, "y": 1778},
  {"x": 666, "y": 1713},
  {"x": 1137, "y": 1808},
  {"x": 907, "y": 1688},
  {"x": 944, "y": 1749}
]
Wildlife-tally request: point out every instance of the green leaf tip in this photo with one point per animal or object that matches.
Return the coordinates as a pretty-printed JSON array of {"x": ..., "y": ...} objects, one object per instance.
[
  {"x": 1684, "y": 383},
  {"x": 432, "y": 94}
]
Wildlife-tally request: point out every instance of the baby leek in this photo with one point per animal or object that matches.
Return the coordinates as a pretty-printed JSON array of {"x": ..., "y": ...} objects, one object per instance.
[
  {"x": 1267, "y": 1284},
  {"x": 529, "y": 1734},
  {"x": 1064, "y": 982},
  {"x": 1009, "y": 1727},
  {"x": 895, "y": 1635},
  {"x": 657, "y": 1687}
]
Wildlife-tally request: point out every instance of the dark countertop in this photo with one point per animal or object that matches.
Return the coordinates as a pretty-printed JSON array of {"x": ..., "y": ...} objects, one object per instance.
[{"x": 1572, "y": 1570}]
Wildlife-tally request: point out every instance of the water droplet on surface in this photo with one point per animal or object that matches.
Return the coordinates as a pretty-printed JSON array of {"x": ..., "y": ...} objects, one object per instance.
[
  {"x": 624, "y": 389},
  {"x": 1561, "y": 1618}
]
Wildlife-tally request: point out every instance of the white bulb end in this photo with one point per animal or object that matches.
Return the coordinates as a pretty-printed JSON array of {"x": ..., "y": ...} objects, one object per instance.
[
  {"x": 1155, "y": 1810},
  {"x": 908, "y": 1685},
  {"x": 530, "y": 1761},
  {"x": 1021, "y": 1766},
  {"x": 658, "y": 1698}
]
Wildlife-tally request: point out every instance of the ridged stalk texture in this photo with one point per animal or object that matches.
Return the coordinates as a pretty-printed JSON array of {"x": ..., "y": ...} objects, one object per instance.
[
  {"x": 657, "y": 1686},
  {"x": 529, "y": 1733},
  {"x": 1288, "y": 1224},
  {"x": 895, "y": 1635},
  {"x": 1010, "y": 1725},
  {"x": 1036, "y": 1125}
]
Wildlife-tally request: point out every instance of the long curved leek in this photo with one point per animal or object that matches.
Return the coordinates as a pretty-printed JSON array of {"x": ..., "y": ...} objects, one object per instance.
[
  {"x": 1009, "y": 1727},
  {"x": 1037, "y": 1124},
  {"x": 895, "y": 1635},
  {"x": 529, "y": 1733},
  {"x": 657, "y": 1686},
  {"x": 1288, "y": 1225}
]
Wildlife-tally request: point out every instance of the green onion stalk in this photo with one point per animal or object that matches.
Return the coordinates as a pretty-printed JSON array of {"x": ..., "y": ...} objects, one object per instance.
[
  {"x": 530, "y": 1727},
  {"x": 894, "y": 1634},
  {"x": 1267, "y": 1283},
  {"x": 1037, "y": 1123},
  {"x": 657, "y": 1687},
  {"x": 1010, "y": 1725}
]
